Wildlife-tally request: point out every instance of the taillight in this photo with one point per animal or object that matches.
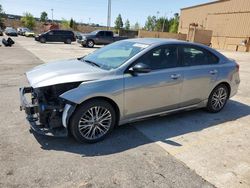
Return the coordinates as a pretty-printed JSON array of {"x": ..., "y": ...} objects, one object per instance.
[{"x": 237, "y": 67}]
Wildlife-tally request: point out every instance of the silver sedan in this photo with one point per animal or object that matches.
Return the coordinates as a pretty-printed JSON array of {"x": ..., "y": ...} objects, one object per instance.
[{"x": 124, "y": 82}]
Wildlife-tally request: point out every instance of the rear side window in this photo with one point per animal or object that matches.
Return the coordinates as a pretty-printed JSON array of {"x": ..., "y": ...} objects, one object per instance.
[
  {"x": 109, "y": 34},
  {"x": 192, "y": 56}
]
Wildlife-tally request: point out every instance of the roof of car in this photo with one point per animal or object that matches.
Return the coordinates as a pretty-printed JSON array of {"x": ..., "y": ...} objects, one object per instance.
[{"x": 151, "y": 41}]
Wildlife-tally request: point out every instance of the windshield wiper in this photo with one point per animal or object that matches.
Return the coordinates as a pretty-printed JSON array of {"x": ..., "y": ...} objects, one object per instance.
[{"x": 91, "y": 62}]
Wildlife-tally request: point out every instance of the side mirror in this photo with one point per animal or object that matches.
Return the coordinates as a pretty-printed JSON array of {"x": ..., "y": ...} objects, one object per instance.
[{"x": 140, "y": 68}]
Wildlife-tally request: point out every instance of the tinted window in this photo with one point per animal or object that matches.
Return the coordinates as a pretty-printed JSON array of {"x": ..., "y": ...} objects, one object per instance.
[
  {"x": 101, "y": 33},
  {"x": 192, "y": 56},
  {"x": 109, "y": 34},
  {"x": 161, "y": 58}
]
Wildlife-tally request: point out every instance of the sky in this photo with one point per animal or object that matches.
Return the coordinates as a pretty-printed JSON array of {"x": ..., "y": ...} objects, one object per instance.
[{"x": 95, "y": 11}]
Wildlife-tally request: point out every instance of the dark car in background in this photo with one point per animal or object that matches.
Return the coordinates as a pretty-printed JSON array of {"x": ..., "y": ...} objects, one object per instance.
[
  {"x": 98, "y": 37},
  {"x": 65, "y": 36},
  {"x": 10, "y": 32},
  {"x": 1, "y": 32}
]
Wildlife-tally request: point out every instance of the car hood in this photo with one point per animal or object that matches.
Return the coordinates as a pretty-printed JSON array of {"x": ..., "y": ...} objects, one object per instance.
[
  {"x": 87, "y": 35},
  {"x": 63, "y": 72}
]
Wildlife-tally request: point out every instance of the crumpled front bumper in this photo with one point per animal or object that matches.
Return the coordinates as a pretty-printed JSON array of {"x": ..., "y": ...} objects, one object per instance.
[{"x": 31, "y": 109}]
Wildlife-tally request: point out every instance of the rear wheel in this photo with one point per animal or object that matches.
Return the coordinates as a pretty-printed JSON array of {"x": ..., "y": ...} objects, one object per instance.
[
  {"x": 218, "y": 99},
  {"x": 68, "y": 41},
  {"x": 93, "y": 121},
  {"x": 90, "y": 43}
]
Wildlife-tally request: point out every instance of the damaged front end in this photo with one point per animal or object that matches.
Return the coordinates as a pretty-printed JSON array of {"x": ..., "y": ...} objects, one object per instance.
[{"x": 47, "y": 113}]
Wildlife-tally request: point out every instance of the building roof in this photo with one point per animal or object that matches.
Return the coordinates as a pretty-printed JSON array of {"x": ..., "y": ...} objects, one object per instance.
[{"x": 204, "y": 4}]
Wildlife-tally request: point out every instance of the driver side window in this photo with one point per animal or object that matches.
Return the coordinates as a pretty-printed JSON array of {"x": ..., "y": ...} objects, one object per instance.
[{"x": 161, "y": 58}]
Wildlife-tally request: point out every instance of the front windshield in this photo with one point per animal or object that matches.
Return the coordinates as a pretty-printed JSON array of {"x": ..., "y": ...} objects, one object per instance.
[{"x": 114, "y": 55}]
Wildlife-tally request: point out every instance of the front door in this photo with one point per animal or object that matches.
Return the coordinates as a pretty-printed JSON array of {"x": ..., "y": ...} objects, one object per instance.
[{"x": 158, "y": 90}]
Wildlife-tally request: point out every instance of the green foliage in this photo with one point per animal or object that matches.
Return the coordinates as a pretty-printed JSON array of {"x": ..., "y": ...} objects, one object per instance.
[
  {"x": 28, "y": 20},
  {"x": 150, "y": 24},
  {"x": 44, "y": 16},
  {"x": 1, "y": 17},
  {"x": 65, "y": 24},
  {"x": 174, "y": 24},
  {"x": 127, "y": 25},
  {"x": 72, "y": 24},
  {"x": 136, "y": 26},
  {"x": 162, "y": 24},
  {"x": 118, "y": 22}
]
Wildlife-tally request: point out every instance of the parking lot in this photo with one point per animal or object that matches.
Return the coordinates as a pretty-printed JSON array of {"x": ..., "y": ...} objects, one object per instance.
[{"x": 190, "y": 149}]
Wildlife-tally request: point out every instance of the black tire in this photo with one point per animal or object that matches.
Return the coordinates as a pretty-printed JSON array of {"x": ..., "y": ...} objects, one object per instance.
[
  {"x": 81, "y": 112},
  {"x": 211, "y": 105},
  {"x": 68, "y": 41},
  {"x": 43, "y": 40},
  {"x": 90, "y": 44}
]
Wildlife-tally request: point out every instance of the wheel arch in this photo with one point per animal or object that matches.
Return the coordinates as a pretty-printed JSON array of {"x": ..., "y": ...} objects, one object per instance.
[
  {"x": 109, "y": 100},
  {"x": 227, "y": 85}
]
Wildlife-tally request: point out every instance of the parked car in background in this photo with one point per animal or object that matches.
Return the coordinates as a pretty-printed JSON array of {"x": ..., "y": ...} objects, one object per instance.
[
  {"x": 65, "y": 36},
  {"x": 29, "y": 33},
  {"x": 10, "y": 32},
  {"x": 124, "y": 82},
  {"x": 22, "y": 30},
  {"x": 98, "y": 37}
]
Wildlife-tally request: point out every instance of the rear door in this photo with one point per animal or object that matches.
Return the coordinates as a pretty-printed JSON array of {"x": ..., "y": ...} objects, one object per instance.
[
  {"x": 108, "y": 37},
  {"x": 100, "y": 38},
  {"x": 200, "y": 71}
]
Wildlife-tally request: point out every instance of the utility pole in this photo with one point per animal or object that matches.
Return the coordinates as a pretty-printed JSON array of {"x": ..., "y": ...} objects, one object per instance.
[
  {"x": 52, "y": 14},
  {"x": 109, "y": 15}
]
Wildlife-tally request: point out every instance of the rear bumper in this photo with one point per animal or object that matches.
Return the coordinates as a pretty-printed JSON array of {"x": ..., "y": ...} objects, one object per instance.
[{"x": 32, "y": 115}]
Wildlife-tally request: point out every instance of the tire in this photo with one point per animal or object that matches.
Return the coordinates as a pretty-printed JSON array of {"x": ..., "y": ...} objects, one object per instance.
[
  {"x": 218, "y": 99},
  {"x": 90, "y": 44},
  {"x": 68, "y": 41},
  {"x": 85, "y": 128},
  {"x": 43, "y": 40}
]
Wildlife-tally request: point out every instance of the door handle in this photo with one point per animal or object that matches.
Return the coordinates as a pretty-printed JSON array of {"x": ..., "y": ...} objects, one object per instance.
[
  {"x": 175, "y": 76},
  {"x": 213, "y": 72}
]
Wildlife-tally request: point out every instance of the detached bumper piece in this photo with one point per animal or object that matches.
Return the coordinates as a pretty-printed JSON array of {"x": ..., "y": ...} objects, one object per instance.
[{"x": 32, "y": 109}]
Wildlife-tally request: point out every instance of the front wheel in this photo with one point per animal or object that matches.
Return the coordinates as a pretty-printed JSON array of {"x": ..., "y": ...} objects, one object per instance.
[
  {"x": 43, "y": 40},
  {"x": 218, "y": 99},
  {"x": 93, "y": 121}
]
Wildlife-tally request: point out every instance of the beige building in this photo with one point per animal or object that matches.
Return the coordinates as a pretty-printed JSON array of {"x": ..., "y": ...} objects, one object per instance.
[{"x": 229, "y": 21}]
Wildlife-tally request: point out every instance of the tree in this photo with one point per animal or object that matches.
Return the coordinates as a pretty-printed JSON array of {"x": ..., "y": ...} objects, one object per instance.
[
  {"x": 150, "y": 24},
  {"x": 28, "y": 20},
  {"x": 127, "y": 25},
  {"x": 118, "y": 22},
  {"x": 1, "y": 16},
  {"x": 44, "y": 16},
  {"x": 162, "y": 24},
  {"x": 174, "y": 24},
  {"x": 65, "y": 24},
  {"x": 136, "y": 26},
  {"x": 72, "y": 24}
]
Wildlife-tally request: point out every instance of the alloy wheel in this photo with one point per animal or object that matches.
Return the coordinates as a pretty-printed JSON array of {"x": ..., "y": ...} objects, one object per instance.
[
  {"x": 219, "y": 98},
  {"x": 95, "y": 122}
]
